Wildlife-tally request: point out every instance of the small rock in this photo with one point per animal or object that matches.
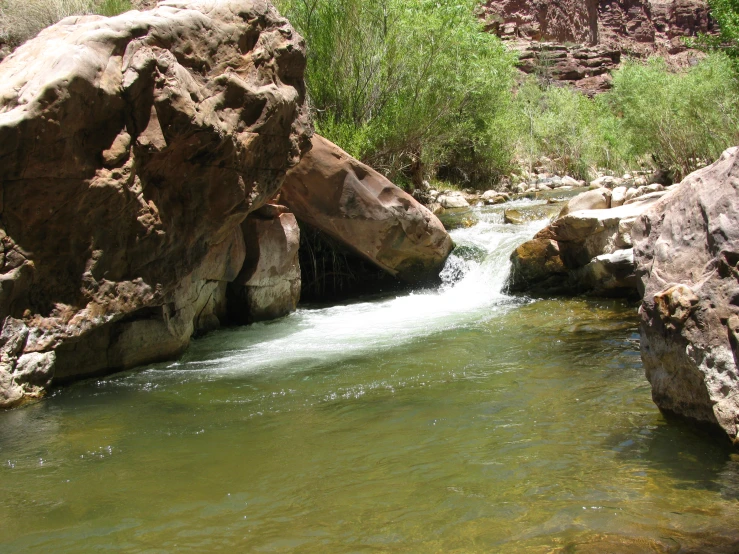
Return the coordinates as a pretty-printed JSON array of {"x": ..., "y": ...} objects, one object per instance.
[
  {"x": 513, "y": 217},
  {"x": 618, "y": 196},
  {"x": 597, "y": 199},
  {"x": 453, "y": 200}
]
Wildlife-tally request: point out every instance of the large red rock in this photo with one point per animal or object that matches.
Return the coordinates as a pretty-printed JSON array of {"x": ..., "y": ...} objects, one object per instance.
[
  {"x": 354, "y": 204},
  {"x": 131, "y": 149},
  {"x": 687, "y": 254}
]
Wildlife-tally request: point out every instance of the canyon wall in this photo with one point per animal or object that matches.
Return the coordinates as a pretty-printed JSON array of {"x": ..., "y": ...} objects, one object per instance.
[{"x": 581, "y": 41}]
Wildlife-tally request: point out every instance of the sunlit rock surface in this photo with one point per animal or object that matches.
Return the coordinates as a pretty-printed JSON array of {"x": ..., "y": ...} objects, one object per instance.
[
  {"x": 336, "y": 194},
  {"x": 687, "y": 253},
  {"x": 586, "y": 249},
  {"x": 131, "y": 149}
]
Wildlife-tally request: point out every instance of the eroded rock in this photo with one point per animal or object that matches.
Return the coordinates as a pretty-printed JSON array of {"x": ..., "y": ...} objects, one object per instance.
[
  {"x": 269, "y": 283},
  {"x": 352, "y": 203},
  {"x": 582, "y": 41},
  {"x": 593, "y": 250},
  {"x": 131, "y": 149},
  {"x": 687, "y": 253}
]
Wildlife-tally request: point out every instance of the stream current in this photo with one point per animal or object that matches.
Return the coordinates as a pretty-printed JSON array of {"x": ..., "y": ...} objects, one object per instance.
[{"x": 452, "y": 420}]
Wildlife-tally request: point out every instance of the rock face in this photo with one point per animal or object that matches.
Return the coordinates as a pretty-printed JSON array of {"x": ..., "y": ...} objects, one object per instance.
[
  {"x": 581, "y": 41},
  {"x": 687, "y": 253},
  {"x": 587, "y": 249},
  {"x": 352, "y": 203},
  {"x": 131, "y": 149}
]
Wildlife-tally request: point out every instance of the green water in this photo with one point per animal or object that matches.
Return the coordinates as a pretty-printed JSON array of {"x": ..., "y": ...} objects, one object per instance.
[{"x": 458, "y": 420}]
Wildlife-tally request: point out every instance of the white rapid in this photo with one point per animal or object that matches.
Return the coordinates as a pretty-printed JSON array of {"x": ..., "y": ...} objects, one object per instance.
[{"x": 472, "y": 290}]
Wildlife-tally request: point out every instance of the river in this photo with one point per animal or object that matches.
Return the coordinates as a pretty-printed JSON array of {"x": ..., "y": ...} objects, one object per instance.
[{"x": 458, "y": 419}]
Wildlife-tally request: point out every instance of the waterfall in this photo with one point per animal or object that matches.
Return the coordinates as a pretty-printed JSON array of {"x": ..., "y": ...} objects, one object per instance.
[{"x": 472, "y": 286}]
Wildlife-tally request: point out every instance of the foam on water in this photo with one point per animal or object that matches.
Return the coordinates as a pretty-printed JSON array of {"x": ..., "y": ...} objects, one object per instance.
[{"x": 471, "y": 290}]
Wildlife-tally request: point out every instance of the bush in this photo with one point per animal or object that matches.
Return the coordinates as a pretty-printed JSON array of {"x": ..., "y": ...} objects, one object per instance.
[
  {"x": 680, "y": 120},
  {"x": 407, "y": 86},
  {"x": 21, "y": 20},
  {"x": 575, "y": 133}
]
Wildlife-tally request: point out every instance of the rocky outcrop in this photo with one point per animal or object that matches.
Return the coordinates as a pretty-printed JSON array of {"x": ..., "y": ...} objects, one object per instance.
[
  {"x": 581, "y": 41},
  {"x": 355, "y": 205},
  {"x": 586, "y": 249},
  {"x": 687, "y": 253},
  {"x": 131, "y": 149}
]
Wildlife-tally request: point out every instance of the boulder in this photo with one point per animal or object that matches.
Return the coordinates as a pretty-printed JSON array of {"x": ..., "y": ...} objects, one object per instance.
[
  {"x": 593, "y": 254},
  {"x": 606, "y": 181},
  {"x": 618, "y": 197},
  {"x": 537, "y": 267},
  {"x": 687, "y": 254},
  {"x": 132, "y": 149},
  {"x": 453, "y": 200},
  {"x": 597, "y": 199},
  {"x": 513, "y": 217},
  {"x": 268, "y": 285},
  {"x": 568, "y": 181},
  {"x": 355, "y": 205},
  {"x": 495, "y": 197}
]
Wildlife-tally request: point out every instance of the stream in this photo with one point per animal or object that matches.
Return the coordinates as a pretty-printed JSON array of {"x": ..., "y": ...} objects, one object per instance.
[{"x": 458, "y": 419}]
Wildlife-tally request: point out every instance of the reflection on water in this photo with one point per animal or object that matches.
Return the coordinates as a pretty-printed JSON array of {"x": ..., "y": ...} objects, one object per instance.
[{"x": 457, "y": 419}]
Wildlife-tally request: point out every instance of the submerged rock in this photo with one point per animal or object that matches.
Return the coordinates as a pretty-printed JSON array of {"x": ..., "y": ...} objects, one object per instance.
[
  {"x": 355, "y": 205},
  {"x": 687, "y": 253},
  {"x": 132, "y": 148}
]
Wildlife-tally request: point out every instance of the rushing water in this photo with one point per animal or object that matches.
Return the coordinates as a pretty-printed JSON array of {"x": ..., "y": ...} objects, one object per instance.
[{"x": 450, "y": 420}]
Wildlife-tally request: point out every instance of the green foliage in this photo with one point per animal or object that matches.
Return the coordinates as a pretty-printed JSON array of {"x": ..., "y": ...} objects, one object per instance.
[
  {"x": 574, "y": 132},
  {"x": 676, "y": 121},
  {"x": 407, "y": 86},
  {"x": 680, "y": 120},
  {"x": 110, "y": 8},
  {"x": 726, "y": 14}
]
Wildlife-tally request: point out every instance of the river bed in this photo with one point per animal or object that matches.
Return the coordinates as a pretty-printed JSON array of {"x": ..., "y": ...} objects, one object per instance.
[{"x": 458, "y": 419}]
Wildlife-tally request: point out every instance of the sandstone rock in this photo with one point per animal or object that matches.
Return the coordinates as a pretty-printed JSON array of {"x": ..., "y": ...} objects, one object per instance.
[
  {"x": 268, "y": 286},
  {"x": 568, "y": 181},
  {"x": 598, "y": 199},
  {"x": 35, "y": 369},
  {"x": 495, "y": 197},
  {"x": 593, "y": 254},
  {"x": 537, "y": 266},
  {"x": 607, "y": 181},
  {"x": 687, "y": 254},
  {"x": 132, "y": 148},
  {"x": 609, "y": 274},
  {"x": 582, "y": 41},
  {"x": 618, "y": 196},
  {"x": 644, "y": 196},
  {"x": 436, "y": 208},
  {"x": 452, "y": 200},
  {"x": 334, "y": 193}
]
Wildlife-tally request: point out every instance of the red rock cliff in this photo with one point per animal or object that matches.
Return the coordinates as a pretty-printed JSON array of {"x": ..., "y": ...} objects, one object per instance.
[{"x": 581, "y": 41}]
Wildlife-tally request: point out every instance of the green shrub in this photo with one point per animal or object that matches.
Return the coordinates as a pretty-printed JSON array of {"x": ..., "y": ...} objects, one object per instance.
[
  {"x": 575, "y": 133},
  {"x": 680, "y": 120},
  {"x": 407, "y": 86}
]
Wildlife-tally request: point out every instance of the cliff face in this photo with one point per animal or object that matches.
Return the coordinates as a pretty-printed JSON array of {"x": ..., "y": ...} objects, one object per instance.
[{"x": 581, "y": 41}]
